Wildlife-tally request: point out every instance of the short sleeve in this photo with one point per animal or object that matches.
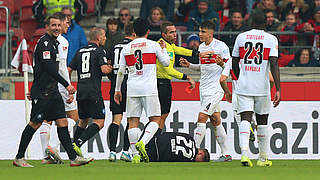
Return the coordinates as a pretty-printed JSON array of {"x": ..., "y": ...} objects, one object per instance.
[
  {"x": 227, "y": 68},
  {"x": 225, "y": 53},
  {"x": 274, "y": 47},
  {"x": 102, "y": 57},
  {"x": 235, "y": 51}
]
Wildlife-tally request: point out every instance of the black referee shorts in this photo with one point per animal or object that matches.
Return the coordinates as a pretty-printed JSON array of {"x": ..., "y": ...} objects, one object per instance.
[
  {"x": 116, "y": 108},
  {"x": 91, "y": 108},
  {"x": 47, "y": 109},
  {"x": 165, "y": 94}
]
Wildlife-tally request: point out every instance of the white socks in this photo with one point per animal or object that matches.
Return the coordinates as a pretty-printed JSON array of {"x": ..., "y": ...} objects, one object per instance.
[
  {"x": 221, "y": 137},
  {"x": 149, "y": 132},
  {"x": 44, "y": 130},
  {"x": 244, "y": 133},
  {"x": 199, "y": 133},
  {"x": 262, "y": 136},
  {"x": 133, "y": 135}
]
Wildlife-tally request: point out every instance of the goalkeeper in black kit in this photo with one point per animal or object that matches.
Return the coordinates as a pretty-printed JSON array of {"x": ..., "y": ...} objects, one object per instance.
[{"x": 175, "y": 147}]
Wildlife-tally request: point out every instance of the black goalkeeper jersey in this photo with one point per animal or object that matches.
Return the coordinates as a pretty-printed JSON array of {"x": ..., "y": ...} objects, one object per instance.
[
  {"x": 88, "y": 62},
  {"x": 172, "y": 147},
  {"x": 114, "y": 56}
]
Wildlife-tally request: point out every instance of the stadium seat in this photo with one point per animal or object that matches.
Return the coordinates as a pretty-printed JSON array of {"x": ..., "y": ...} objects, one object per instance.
[
  {"x": 17, "y": 6},
  {"x": 29, "y": 26},
  {"x": 181, "y": 28},
  {"x": 37, "y": 34},
  {"x": 91, "y": 6},
  {"x": 17, "y": 37},
  {"x": 9, "y": 4}
]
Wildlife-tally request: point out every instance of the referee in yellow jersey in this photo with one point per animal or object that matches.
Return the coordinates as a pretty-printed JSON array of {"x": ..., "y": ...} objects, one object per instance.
[{"x": 165, "y": 74}]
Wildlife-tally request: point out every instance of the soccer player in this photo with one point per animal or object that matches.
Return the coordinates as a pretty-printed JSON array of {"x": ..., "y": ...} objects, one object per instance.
[
  {"x": 51, "y": 154},
  {"x": 118, "y": 109},
  {"x": 90, "y": 63},
  {"x": 165, "y": 74},
  {"x": 175, "y": 147},
  {"x": 47, "y": 103},
  {"x": 140, "y": 56},
  {"x": 255, "y": 51},
  {"x": 211, "y": 92}
]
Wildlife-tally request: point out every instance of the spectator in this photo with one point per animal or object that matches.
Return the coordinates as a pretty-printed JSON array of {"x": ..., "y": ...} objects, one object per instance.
[
  {"x": 193, "y": 42},
  {"x": 166, "y": 5},
  {"x": 313, "y": 25},
  {"x": 183, "y": 11},
  {"x": 234, "y": 25},
  {"x": 297, "y": 7},
  {"x": 303, "y": 59},
  {"x": 155, "y": 20},
  {"x": 75, "y": 35},
  {"x": 114, "y": 36},
  {"x": 272, "y": 23},
  {"x": 79, "y": 9},
  {"x": 124, "y": 18},
  {"x": 201, "y": 14},
  {"x": 289, "y": 26},
  {"x": 262, "y": 6}
]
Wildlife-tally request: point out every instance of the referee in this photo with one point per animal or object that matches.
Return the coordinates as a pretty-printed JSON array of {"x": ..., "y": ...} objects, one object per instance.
[
  {"x": 165, "y": 74},
  {"x": 47, "y": 103}
]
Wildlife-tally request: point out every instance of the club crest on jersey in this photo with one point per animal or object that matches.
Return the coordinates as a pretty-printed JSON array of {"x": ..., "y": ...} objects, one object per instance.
[
  {"x": 46, "y": 55},
  {"x": 46, "y": 43}
]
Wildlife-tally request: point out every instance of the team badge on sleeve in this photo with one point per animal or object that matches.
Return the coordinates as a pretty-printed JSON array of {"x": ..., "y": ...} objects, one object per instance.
[{"x": 46, "y": 55}]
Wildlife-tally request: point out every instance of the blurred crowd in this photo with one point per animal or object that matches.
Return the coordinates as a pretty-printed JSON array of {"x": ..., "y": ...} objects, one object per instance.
[{"x": 287, "y": 16}]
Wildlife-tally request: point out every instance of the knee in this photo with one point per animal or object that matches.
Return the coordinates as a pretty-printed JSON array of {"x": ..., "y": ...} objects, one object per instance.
[{"x": 262, "y": 119}]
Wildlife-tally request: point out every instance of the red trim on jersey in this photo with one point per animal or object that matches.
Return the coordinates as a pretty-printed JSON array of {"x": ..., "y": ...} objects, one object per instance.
[
  {"x": 147, "y": 58},
  {"x": 290, "y": 91},
  {"x": 210, "y": 60},
  {"x": 254, "y": 53},
  {"x": 233, "y": 76}
]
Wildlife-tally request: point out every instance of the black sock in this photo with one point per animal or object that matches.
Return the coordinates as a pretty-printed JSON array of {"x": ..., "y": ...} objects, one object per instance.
[
  {"x": 26, "y": 137},
  {"x": 78, "y": 133},
  {"x": 126, "y": 143},
  {"x": 158, "y": 132},
  {"x": 113, "y": 136},
  {"x": 65, "y": 140},
  {"x": 87, "y": 134}
]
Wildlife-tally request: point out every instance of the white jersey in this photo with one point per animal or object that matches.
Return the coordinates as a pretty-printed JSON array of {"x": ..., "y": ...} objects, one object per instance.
[
  {"x": 63, "y": 53},
  {"x": 209, "y": 71},
  {"x": 140, "y": 56},
  {"x": 226, "y": 72},
  {"x": 254, "y": 48}
]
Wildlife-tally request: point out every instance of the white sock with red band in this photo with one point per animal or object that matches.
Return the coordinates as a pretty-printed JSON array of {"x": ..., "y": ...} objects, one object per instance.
[
  {"x": 44, "y": 130},
  {"x": 133, "y": 135},
  {"x": 199, "y": 133},
  {"x": 244, "y": 134},
  {"x": 221, "y": 137},
  {"x": 262, "y": 136}
]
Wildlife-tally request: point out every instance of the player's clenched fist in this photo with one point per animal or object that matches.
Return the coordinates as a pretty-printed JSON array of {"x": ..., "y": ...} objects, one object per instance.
[{"x": 184, "y": 62}]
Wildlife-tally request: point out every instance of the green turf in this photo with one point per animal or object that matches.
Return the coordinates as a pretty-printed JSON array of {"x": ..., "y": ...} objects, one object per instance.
[{"x": 103, "y": 169}]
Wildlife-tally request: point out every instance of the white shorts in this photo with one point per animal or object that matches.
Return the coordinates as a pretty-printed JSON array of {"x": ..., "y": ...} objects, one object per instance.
[
  {"x": 150, "y": 104},
  {"x": 65, "y": 96},
  {"x": 257, "y": 104},
  {"x": 210, "y": 104},
  {"x": 234, "y": 102}
]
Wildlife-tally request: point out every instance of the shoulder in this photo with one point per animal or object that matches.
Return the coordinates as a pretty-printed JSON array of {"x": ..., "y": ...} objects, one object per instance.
[{"x": 62, "y": 40}]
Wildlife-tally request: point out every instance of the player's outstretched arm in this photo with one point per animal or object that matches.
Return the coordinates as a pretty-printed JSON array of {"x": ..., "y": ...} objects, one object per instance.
[
  {"x": 223, "y": 83},
  {"x": 187, "y": 64},
  {"x": 274, "y": 67}
]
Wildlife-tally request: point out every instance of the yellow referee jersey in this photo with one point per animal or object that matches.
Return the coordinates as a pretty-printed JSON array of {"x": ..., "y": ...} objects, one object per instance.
[{"x": 169, "y": 72}]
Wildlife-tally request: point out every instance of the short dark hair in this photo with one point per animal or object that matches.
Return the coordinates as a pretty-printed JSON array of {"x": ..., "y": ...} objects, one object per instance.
[
  {"x": 269, "y": 10},
  {"x": 47, "y": 21},
  {"x": 128, "y": 29},
  {"x": 208, "y": 24},
  {"x": 236, "y": 11},
  {"x": 259, "y": 19},
  {"x": 61, "y": 16},
  {"x": 164, "y": 25},
  {"x": 140, "y": 27},
  {"x": 206, "y": 157},
  {"x": 112, "y": 21}
]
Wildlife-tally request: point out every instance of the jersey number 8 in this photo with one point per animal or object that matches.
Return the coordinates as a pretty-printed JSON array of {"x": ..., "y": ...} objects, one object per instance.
[{"x": 85, "y": 62}]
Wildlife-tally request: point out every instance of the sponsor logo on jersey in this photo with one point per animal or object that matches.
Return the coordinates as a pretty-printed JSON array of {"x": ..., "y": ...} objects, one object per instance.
[{"x": 46, "y": 55}]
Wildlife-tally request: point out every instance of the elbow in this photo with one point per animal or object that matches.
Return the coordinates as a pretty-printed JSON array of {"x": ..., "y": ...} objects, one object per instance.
[{"x": 222, "y": 80}]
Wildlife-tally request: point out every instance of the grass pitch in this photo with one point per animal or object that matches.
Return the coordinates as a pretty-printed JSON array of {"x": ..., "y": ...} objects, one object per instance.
[{"x": 103, "y": 169}]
